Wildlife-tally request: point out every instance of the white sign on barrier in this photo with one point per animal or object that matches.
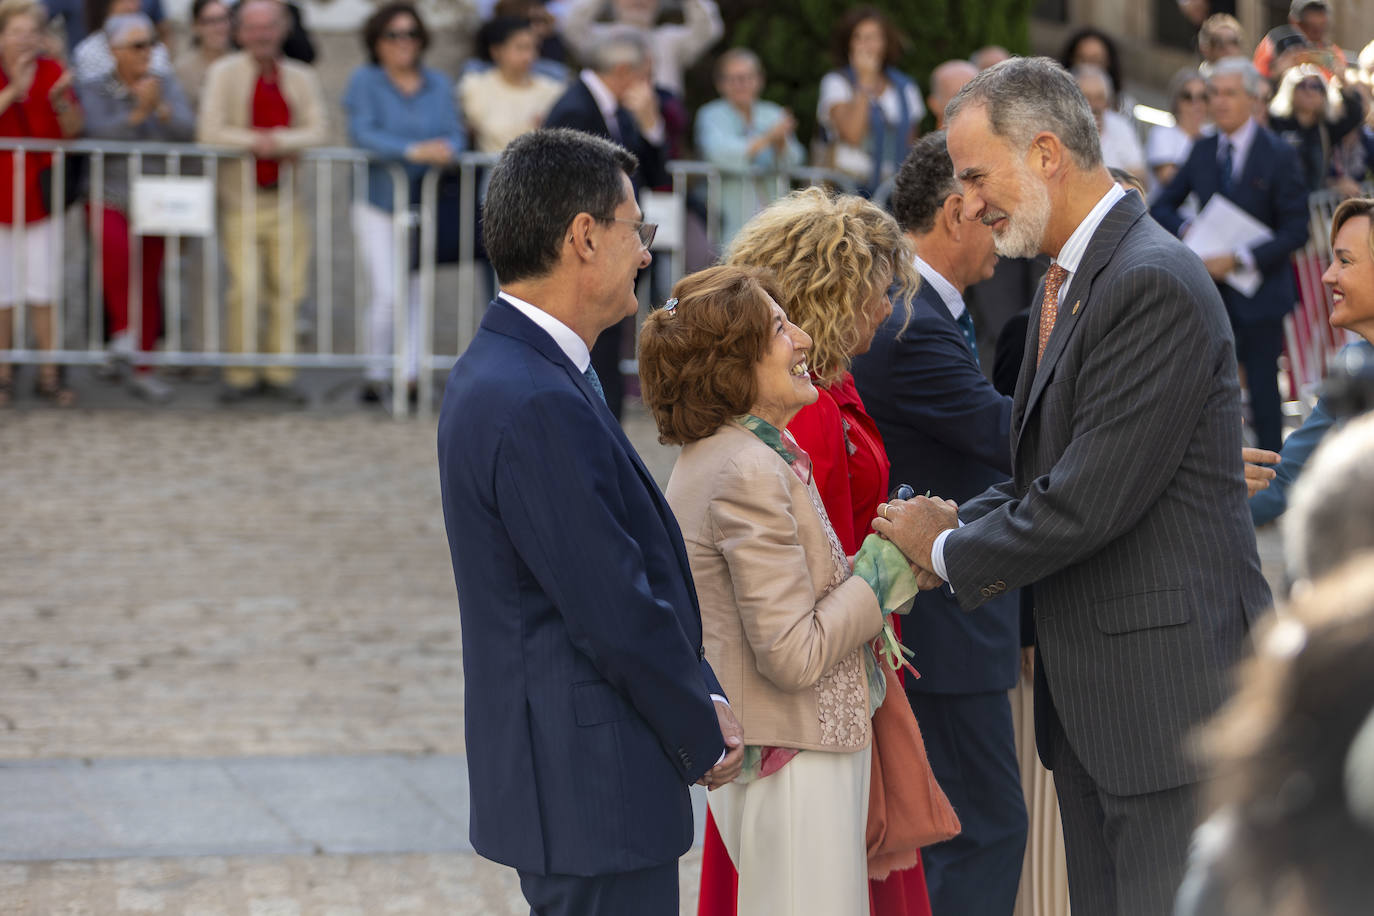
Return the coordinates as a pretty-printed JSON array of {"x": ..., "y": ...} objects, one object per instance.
[
  {"x": 172, "y": 205},
  {"x": 669, "y": 212}
]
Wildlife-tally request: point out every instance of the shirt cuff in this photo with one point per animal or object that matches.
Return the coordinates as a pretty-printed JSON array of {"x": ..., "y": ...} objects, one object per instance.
[
  {"x": 937, "y": 554},
  {"x": 717, "y": 698}
]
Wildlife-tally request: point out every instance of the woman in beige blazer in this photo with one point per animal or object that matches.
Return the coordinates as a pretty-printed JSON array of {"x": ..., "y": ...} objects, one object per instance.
[{"x": 786, "y": 625}]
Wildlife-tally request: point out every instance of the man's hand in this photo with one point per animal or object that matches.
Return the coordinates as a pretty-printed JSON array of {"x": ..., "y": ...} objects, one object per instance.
[
  {"x": 1028, "y": 663},
  {"x": 641, "y": 101},
  {"x": 1257, "y": 476},
  {"x": 725, "y": 772},
  {"x": 1220, "y": 265},
  {"x": 913, "y": 525}
]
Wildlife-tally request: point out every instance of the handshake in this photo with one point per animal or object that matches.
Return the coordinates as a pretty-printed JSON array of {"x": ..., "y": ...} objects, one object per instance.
[{"x": 913, "y": 523}]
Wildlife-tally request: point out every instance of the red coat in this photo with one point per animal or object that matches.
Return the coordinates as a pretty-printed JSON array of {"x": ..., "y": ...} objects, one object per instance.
[{"x": 35, "y": 117}]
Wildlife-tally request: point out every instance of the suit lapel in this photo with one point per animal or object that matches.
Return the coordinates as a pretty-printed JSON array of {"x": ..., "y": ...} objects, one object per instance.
[
  {"x": 1075, "y": 299},
  {"x": 503, "y": 318}
]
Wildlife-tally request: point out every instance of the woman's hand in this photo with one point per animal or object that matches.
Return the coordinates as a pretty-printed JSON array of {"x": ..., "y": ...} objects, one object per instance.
[
  {"x": 60, "y": 88},
  {"x": 430, "y": 152}
]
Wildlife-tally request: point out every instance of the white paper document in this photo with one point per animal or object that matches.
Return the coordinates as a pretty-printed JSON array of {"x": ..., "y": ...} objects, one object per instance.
[{"x": 1224, "y": 228}]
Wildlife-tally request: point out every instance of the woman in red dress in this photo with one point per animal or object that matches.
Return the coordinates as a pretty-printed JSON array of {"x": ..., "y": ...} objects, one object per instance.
[{"x": 834, "y": 260}]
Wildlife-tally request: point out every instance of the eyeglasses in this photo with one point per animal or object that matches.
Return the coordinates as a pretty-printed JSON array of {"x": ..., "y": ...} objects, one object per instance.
[
  {"x": 1312, "y": 85},
  {"x": 145, "y": 45},
  {"x": 402, "y": 35},
  {"x": 1192, "y": 96},
  {"x": 221, "y": 19},
  {"x": 646, "y": 231}
]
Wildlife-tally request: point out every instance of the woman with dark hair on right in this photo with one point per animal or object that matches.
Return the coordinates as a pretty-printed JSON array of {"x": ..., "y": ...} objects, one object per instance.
[
  {"x": 785, "y": 620},
  {"x": 1293, "y": 765}
]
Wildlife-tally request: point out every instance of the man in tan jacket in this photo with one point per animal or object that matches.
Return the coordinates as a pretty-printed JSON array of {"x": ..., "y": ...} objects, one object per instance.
[{"x": 259, "y": 102}]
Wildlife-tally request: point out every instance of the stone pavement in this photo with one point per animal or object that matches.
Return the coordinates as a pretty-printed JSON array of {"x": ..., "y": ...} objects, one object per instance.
[{"x": 230, "y": 669}]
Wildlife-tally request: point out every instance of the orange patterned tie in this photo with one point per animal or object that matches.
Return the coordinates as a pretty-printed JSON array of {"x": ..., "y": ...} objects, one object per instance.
[{"x": 1049, "y": 306}]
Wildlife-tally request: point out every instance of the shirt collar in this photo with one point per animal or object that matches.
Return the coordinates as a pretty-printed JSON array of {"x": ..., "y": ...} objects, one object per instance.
[
  {"x": 1072, "y": 253},
  {"x": 605, "y": 99},
  {"x": 953, "y": 301},
  {"x": 573, "y": 346},
  {"x": 1240, "y": 139}
]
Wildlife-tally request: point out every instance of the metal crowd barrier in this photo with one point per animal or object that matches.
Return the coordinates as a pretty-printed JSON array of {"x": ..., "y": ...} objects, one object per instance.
[{"x": 333, "y": 316}]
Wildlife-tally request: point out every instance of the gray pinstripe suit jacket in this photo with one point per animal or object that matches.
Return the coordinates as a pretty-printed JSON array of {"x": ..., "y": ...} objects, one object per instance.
[{"x": 1127, "y": 509}]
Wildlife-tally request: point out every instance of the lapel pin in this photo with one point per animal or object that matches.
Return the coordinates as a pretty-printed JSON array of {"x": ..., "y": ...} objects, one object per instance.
[{"x": 1076, "y": 304}]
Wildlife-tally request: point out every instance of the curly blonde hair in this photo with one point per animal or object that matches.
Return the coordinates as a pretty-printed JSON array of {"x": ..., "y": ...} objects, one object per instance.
[{"x": 829, "y": 256}]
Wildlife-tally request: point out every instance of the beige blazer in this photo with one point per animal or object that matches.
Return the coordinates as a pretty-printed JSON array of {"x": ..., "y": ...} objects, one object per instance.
[
  {"x": 783, "y": 620},
  {"x": 226, "y": 115}
]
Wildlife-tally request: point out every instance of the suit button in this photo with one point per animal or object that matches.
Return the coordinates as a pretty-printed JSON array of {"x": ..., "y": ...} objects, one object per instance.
[
  {"x": 987, "y": 592},
  {"x": 701, "y": 653},
  {"x": 1001, "y": 585}
]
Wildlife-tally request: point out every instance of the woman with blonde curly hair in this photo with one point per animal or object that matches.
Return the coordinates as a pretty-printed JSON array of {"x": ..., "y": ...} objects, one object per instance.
[{"x": 834, "y": 259}]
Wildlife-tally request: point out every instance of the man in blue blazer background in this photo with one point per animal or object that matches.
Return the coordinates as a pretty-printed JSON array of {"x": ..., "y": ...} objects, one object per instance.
[
  {"x": 1262, "y": 175},
  {"x": 947, "y": 430},
  {"x": 589, "y": 706}
]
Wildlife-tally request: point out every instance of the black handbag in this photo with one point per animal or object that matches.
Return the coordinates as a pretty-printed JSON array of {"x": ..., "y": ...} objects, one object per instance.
[{"x": 448, "y": 229}]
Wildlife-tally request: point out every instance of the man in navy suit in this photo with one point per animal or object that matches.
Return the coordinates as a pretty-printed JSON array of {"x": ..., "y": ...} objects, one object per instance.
[
  {"x": 590, "y": 708},
  {"x": 947, "y": 430},
  {"x": 614, "y": 98},
  {"x": 1260, "y": 174}
]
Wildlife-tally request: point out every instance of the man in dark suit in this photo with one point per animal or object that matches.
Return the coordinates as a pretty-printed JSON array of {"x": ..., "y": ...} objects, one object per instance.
[
  {"x": 1262, "y": 175},
  {"x": 1127, "y": 503},
  {"x": 614, "y": 98},
  {"x": 947, "y": 430},
  {"x": 589, "y": 703}
]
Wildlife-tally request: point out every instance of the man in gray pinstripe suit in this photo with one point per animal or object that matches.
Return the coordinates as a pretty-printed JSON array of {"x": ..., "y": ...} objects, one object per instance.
[{"x": 1127, "y": 508}]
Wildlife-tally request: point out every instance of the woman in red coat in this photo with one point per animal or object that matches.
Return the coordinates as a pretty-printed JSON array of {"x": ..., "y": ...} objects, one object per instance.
[{"x": 834, "y": 260}]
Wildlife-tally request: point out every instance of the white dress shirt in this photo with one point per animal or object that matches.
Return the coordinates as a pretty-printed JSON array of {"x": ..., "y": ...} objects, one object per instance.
[
  {"x": 566, "y": 338},
  {"x": 1070, "y": 256},
  {"x": 948, "y": 294}
]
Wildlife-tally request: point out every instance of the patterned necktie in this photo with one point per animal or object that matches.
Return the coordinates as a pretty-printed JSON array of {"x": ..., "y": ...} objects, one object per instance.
[
  {"x": 592, "y": 379},
  {"x": 1225, "y": 165},
  {"x": 1049, "y": 306},
  {"x": 966, "y": 323}
]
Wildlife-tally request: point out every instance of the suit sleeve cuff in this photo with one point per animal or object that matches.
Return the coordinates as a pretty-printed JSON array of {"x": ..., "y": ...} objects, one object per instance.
[{"x": 717, "y": 698}]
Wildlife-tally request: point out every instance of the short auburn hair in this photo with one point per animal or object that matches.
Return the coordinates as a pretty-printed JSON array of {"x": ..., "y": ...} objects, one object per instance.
[
  {"x": 376, "y": 25},
  {"x": 697, "y": 359},
  {"x": 1354, "y": 208}
]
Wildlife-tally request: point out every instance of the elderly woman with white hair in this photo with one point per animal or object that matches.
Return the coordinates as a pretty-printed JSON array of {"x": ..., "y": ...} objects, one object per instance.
[{"x": 132, "y": 103}]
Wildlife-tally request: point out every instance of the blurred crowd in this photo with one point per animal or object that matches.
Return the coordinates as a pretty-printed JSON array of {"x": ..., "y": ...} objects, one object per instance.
[{"x": 244, "y": 79}]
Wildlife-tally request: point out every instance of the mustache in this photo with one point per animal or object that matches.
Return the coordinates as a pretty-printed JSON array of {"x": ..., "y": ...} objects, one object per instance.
[{"x": 993, "y": 216}]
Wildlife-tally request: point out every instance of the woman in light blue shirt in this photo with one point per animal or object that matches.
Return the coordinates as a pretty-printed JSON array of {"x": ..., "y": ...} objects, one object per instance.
[
  {"x": 738, "y": 132},
  {"x": 401, "y": 110}
]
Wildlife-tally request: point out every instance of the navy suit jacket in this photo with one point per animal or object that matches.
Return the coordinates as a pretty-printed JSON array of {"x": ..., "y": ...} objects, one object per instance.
[
  {"x": 1270, "y": 189},
  {"x": 947, "y": 430},
  {"x": 577, "y": 109},
  {"x": 587, "y": 705}
]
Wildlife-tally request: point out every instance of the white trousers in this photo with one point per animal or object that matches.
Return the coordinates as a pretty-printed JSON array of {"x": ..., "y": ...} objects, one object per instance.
[
  {"x": 35, "y": 245},
  {"x": 373, "y": 229},
  {"x": 797, "y": 837}
]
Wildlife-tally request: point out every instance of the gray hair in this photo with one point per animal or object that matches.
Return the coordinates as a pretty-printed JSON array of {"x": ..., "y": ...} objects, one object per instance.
[
  {"x": 1331, "y": 513},
  {"x": 737, "y": 54},
  {"x": 1083, "y": 72},
  {"x": 116, "y": 27},
  {"x": 622, "y": 45},
  {"x": 1237, "y": 66},
  {"x": 1026, "y": 95}
]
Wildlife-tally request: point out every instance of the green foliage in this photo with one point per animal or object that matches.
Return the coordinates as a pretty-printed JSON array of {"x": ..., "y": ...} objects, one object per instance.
[{"x": 793, "y": 38}]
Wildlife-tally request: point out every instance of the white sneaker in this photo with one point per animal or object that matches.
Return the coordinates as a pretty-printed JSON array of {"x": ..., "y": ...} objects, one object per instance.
[{"x": 151, "y": 388}]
